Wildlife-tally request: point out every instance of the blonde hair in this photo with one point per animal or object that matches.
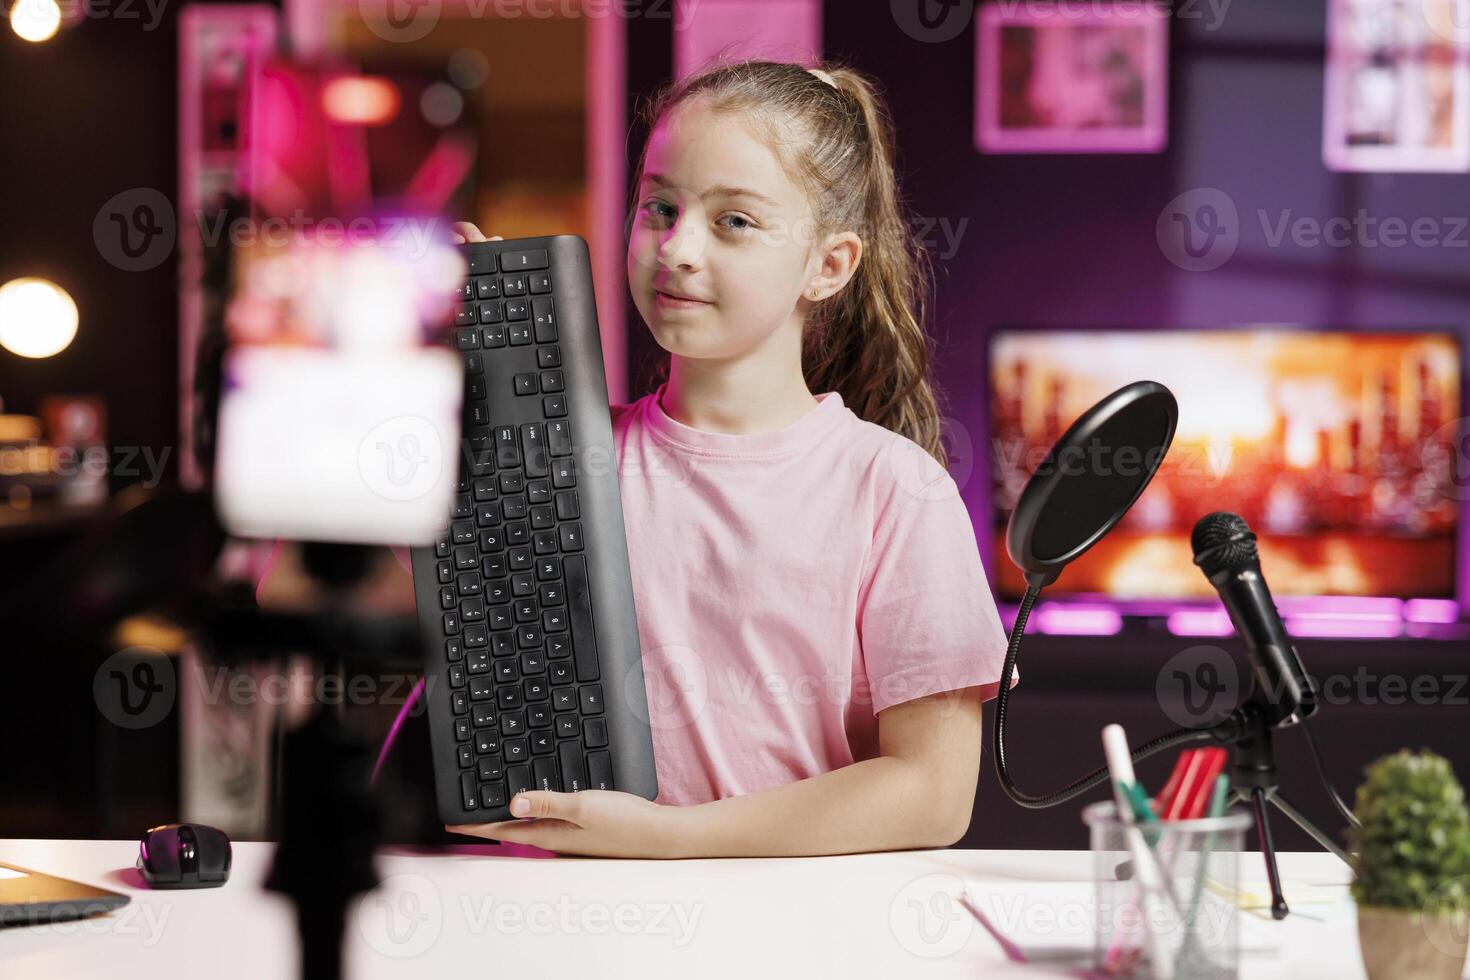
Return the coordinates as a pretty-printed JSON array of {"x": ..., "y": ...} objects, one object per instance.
[{"x": 832, "y": 131}]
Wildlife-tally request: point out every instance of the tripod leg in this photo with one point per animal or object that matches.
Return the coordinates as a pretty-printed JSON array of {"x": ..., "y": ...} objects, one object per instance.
[
  {"x": 1268, "y": 851},
  {"x": 1317, "y": 835}
]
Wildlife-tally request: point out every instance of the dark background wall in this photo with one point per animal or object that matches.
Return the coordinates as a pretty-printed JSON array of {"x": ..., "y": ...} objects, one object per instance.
[{"x": 1049, "y": 240}]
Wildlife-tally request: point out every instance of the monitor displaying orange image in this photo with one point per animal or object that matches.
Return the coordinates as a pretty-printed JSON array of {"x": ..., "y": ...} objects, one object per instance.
[{"x": 1344, "y": 451}]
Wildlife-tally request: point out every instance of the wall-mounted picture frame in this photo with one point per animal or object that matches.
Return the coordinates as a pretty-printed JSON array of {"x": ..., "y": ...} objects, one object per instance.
[
  {"x": 1063, "y": 78},
  {"x": 1396, "y": 93}
]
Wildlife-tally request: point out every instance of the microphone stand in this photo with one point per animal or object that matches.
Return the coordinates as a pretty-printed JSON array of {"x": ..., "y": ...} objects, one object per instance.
[
  {"x": 327, "y": 815},
  {"x": 1255, "y": 781}
]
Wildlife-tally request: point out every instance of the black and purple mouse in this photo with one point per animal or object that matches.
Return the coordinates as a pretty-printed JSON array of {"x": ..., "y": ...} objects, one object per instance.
[{"x": 184, "y": 855}]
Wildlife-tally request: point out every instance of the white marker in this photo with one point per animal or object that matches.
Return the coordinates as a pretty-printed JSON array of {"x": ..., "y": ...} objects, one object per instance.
[{"x": 1120, "y": 770}]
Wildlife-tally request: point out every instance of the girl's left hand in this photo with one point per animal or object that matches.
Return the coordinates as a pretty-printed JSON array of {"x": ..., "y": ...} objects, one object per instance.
[{"x": 599, "y": 823}]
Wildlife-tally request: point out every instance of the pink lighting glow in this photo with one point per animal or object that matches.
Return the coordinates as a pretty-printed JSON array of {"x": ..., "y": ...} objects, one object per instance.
[
  {"x": 1066, "y": 620},
  {"x": 1432, "y": 611},
  {"x": 1200, "y": 622}
]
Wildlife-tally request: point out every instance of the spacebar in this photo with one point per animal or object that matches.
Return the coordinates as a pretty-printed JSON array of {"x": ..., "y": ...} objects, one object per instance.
[{"x": 579, "y": 601}]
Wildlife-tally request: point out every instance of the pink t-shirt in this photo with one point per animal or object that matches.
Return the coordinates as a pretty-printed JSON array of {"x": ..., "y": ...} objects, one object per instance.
[{"x": 789, "y": 586}]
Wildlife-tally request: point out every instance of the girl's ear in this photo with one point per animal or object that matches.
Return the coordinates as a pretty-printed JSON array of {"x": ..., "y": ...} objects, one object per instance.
[{"x": 841, "y": 254}]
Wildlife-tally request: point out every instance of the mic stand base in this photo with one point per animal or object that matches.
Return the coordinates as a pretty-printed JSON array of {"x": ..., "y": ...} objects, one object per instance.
[{"x": 1254, "y": 781}]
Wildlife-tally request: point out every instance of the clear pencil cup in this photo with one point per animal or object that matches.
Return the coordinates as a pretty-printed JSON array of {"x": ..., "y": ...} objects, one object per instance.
[{"x": 1178, "y": 920}]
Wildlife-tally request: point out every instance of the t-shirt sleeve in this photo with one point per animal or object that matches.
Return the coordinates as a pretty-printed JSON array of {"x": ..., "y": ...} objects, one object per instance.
[{"x": 927, "y": 620}]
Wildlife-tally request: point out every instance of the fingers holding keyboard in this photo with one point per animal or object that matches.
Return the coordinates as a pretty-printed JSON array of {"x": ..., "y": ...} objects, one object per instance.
[{"x": 464, "y": 231}]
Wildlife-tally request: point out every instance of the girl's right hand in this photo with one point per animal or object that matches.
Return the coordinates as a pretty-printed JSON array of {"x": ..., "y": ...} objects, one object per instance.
[{"x": 462, "y": 231}]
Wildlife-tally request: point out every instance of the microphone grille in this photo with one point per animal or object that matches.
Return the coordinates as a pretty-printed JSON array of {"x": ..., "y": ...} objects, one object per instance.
[{"x": 1223, "y": 541}]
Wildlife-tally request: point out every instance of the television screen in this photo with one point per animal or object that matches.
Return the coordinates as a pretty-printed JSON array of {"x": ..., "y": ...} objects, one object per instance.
[{"x": 1338, "y": 448}]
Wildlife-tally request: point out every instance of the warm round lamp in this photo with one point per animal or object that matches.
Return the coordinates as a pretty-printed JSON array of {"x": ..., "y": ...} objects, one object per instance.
[
  {"x": 37, "y": 317},
  {"x": 35, "y": 20}
]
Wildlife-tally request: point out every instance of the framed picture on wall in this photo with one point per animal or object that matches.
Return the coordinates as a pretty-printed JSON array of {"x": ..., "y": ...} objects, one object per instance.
[
  {"x": 1071, "y": 78},
  {"x": 1396, "y": 96}
]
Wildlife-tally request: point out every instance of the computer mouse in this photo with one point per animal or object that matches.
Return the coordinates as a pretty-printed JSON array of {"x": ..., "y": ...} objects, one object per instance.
[{"x": 184, "y": 855}]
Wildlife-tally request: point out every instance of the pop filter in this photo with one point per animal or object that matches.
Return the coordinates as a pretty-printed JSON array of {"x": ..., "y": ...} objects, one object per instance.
[
  {"x": 1083, "y": 487},
  {"x": 1090, "y": 478}
]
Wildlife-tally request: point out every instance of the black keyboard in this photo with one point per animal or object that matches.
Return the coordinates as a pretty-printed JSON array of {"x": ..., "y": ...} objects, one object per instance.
[{"x": 534, "y": 677}]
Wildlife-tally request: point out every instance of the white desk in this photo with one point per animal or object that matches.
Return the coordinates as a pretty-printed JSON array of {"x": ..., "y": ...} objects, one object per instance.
[{"x": 479, "y": 913}]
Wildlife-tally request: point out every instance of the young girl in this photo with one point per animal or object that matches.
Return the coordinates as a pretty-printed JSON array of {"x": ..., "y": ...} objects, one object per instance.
[{"x": 817, "y": 631}]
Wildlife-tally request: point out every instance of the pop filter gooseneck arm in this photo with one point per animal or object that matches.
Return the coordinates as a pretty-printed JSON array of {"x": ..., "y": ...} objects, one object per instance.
[{"x": 1180, "y": 736}]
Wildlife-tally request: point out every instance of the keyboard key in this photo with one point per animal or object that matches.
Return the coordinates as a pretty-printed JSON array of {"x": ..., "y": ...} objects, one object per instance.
[
  {"x": 567, "y": 508},
  {"x": 445, "y": 572},
  {"x": 542, "y": 517},
  {"x": 468, "y": 791},
  {"x": 573, "y": 773},
  {"x": 513, "y": 286},
  {"x": 451, "y": 622},
  {"x": 482, "y": 262},
  {"x": 516, "y": 311},
  {"x": 464, "y": 316},
  {"x": 468, "y": 584},
  {"x": 478, "y": 662},
  {"x": 513, "y": 723},
  {"x": 525, "y": 384},
  {"x": 491, "y": 313},
  {"x": 564, "y": 699},
  {"x": 461, "y": 729},
  {"x": 467, "y": 339},
  {"x": 475, "y": 636},
  {"x": 483, "y": 716},
  {"x": 548, "y": 568},
  {"x": 543, "y": 319},
  {"x": 594, "y": 730},
  {"x": 544, "y": 542},
  {"x": 591, "y": 697},
  {"x": 552, "y": 381},
  {"x": 466, "y": 757},
  {"x": 457, "y": 675},
  {"x": 486, "y": 743},
  {"x": 542, "y": 743},
  {"x": 571, "y": 536},
  {"x": 491, "y": 767},
  {"x": 538, "y": 716},
  {"x": 599, "y": 770},
  {"x": 459, "y": 701},
  {"x": 517, "y": 779},
  {"x": 548, "y": 357},
  {"x": 487, "y": 287},
  {"x": 543, "y": 773},
  {"x": 540, "y": 282},
  {"x": 524, "y": 261},
  {"x": 507, "y": 450},
  {"x": 481, "y": 688},
  {"x": 559, "y": 436},
  {"x": 516, "y": 750},
  {"x": 520, "y": 560},
  {"x": 453, "y": 649},
  {"x": 554, "y": 406},
  {"x": 492, "y": 794},
  {"x": 564, "y": 473},
  {"x": 566, "y": 726},
  {"x": 472, "y": 610},
  {"x": 463, "y": 532},
  {"x": 494, "y": 335},
  {"x": 509, "y": 697}
]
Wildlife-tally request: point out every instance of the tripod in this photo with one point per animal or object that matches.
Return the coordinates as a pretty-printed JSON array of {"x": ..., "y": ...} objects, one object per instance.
[{"x": 1254, "y": 780}]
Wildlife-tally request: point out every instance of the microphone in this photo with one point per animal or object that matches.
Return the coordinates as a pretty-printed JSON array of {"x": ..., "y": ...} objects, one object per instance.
[{"x": 1225, "y": 550}]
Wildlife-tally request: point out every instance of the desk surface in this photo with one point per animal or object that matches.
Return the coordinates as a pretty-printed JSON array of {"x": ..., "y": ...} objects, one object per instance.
[{"x": 478, "y": 911}]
